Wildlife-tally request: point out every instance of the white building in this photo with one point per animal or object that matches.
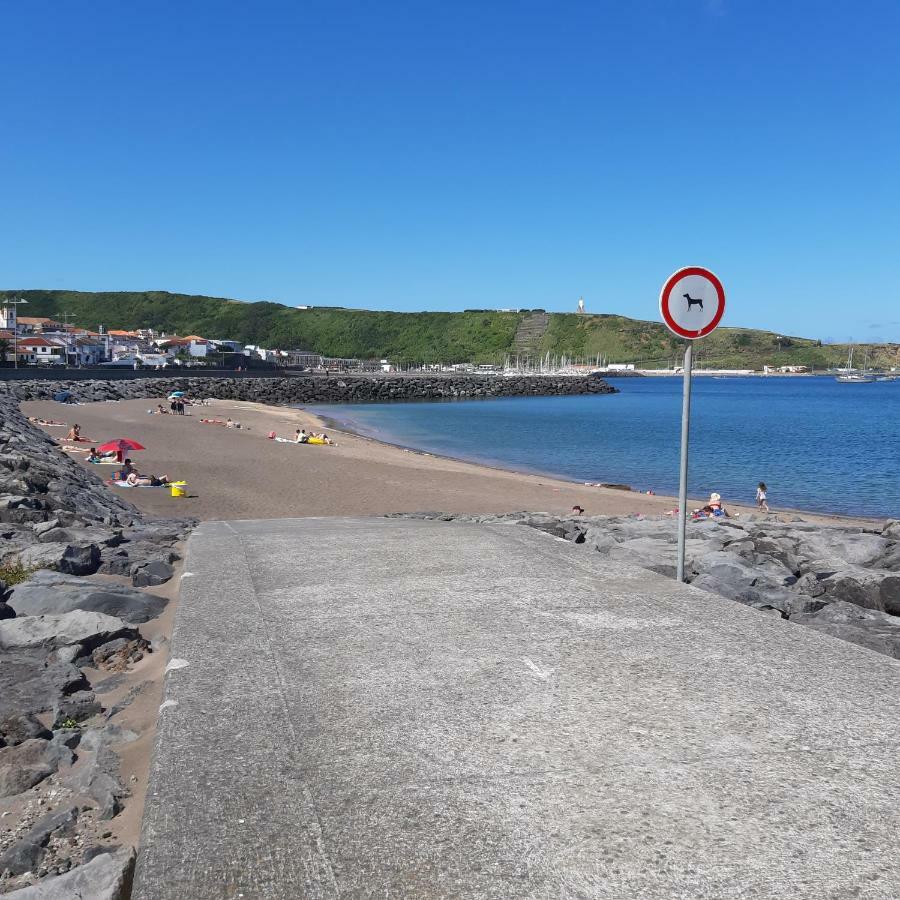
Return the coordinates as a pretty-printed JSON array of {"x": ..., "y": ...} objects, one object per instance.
[{"x": 39, "y": 351}]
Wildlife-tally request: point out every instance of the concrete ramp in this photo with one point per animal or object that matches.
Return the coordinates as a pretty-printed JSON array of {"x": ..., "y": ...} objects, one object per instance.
[{"x": 393, "y": 708}]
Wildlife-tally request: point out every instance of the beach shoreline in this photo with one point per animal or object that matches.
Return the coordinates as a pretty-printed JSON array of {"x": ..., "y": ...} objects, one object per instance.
[
  {"x": 226, "y": 469},
  {"x": 336, "y": 426}
]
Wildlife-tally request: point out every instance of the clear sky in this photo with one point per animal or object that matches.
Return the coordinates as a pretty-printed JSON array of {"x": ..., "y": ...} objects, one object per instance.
[{"x": 425, "y": 155}]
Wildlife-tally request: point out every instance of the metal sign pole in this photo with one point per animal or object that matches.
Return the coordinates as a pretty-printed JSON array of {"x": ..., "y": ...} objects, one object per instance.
[{"x": 685, "y": 435}]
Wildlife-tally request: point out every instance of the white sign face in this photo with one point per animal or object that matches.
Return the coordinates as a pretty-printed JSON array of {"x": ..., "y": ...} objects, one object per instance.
[{"x": 692, "y": 302}]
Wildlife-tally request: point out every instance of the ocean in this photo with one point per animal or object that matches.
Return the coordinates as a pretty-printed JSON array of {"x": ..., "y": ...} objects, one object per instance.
[{"x": 819, "y": 445}]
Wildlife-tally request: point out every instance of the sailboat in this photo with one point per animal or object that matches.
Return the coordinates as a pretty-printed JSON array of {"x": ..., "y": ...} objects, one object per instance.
[{"x": 851, "y": 377}]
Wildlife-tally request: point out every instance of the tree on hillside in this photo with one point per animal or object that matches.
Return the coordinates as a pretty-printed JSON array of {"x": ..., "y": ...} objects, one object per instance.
[{"x": 6, "y": 349}]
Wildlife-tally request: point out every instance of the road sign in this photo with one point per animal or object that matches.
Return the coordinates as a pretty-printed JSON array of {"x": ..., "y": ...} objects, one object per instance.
[{"x": 692, "y": 302}]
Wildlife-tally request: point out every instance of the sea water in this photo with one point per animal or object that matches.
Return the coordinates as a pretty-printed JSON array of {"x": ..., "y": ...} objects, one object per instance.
[{"x": 818, "y": 445}]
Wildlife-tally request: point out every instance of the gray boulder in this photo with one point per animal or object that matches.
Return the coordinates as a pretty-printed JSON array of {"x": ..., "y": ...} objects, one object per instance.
[
  {"x": 152, "y": 573},
  {"x": 90, "y": 629},
  {"x": 653, "y": 553},
  {"x": 17, "y": 728},
  {"x": 869, "y": 628},
  {"x": 97, "y": 777},
  {"x": 25, "y": 854},
  {"x": 49, "y": 592},
  {"x": 29, "y": 763},
  {"x": 867, "y": 588},
  {"x": 75, "y": 708},
  {"x": 29, "y": 683},
  {"x": 104, "y": 537},
  {"x": 106, "y": 877},
  {"x": 72, "y": 559}
]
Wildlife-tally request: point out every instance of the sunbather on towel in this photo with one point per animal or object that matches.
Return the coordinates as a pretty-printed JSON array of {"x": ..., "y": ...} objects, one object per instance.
[{"x": 135, "y": 480}]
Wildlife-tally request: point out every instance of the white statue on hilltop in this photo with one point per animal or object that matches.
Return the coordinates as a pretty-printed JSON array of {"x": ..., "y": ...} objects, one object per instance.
[{"x": 581, "y": 305}]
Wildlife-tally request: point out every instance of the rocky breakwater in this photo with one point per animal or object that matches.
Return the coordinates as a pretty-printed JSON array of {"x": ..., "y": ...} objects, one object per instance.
[
  {"x": 68, "y": 644},
  {"x": 315, "y": 389},
  {"x": 841, "y": 580}
]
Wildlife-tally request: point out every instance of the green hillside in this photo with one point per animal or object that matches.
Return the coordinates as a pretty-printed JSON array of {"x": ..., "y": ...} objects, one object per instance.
[{"x": 473, "y": 336}]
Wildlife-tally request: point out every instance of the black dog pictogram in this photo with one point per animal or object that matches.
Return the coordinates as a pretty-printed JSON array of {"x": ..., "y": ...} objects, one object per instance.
[{"x": 691, "y": 301}]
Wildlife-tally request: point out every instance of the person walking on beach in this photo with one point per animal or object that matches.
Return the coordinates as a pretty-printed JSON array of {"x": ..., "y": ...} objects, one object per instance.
[{"x": 761, "y": 492}]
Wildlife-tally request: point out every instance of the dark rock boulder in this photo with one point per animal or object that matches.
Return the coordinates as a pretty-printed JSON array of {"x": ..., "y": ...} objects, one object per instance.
[
  {"x": 72, "y": 559},
  {"x": 98, "y": 777},
  {"x": 75, "y": 708},
  {"x": 90, "y": 629},
  {"x": 151, "y": 573},
  {"x": 107, "y": 876},
  {"x": 25, "y": 854},
  {"x": 17, "y": 728},
  {"x": 869, "y": 628},
  {"x": 49, "y": 592},
  {"x": 30, "y": 683},
  {"x": 29, "y": 763}
]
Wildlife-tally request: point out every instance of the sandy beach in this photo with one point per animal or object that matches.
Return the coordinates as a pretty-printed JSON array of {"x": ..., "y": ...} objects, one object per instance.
[{"x": 240, "y": 474}]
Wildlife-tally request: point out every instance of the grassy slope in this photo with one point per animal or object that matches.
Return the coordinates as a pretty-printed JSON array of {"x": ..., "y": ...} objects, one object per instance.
[{"x": 429, "y": 337}]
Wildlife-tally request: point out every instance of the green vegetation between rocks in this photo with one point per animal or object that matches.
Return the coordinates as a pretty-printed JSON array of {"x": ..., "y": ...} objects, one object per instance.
[
  {"x": 432, "y": 337},
  {"x": 12, "y": 574}
]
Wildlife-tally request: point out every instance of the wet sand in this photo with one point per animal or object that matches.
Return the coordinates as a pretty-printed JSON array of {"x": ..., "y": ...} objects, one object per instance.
[{"x": 240, "y": 474}]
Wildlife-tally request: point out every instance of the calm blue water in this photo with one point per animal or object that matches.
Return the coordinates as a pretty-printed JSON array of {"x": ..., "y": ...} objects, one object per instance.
[{"x": 819, "y": 445}]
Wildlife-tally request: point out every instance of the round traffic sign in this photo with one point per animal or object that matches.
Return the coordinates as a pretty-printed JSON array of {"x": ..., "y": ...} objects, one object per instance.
[{"x": 692, "y": 302}]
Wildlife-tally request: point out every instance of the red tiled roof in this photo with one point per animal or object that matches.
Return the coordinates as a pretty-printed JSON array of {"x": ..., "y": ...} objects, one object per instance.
[{"x": 37, "y": 342}]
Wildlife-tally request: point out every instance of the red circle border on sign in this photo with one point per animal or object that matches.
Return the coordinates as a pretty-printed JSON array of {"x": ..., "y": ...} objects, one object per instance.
[{"x": 667, "y": 290}]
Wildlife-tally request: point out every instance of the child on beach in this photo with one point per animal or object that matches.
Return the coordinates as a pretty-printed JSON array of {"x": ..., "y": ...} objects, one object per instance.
[{"x": 761, "y": 492}]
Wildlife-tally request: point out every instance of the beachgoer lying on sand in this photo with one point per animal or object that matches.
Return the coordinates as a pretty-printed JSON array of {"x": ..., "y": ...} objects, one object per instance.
[
  {"x": 70, "y": 449},
  {"x": 136, "y": 480},
  {"x": 316, "y": 438},
  {"x": 49, "y": 422},
  {"x": 212, "y": 421}
]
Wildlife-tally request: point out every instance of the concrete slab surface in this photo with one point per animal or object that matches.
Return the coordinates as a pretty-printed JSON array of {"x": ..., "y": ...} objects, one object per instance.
[{"x": 394, "y": 708}]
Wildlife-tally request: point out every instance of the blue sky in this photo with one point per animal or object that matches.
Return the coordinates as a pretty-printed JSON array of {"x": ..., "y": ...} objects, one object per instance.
[{"x": 468, "y": 154}]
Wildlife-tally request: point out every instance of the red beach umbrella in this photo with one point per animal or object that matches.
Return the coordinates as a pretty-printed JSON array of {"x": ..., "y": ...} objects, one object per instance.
[{"x": 120, "y": 445}]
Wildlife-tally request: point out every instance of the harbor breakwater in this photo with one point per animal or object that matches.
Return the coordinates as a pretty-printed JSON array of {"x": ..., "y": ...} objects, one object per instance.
[{"x": 315, "y": 388}]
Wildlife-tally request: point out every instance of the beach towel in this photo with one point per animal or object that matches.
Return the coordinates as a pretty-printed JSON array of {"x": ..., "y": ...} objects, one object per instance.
[{"x": 125, "y": 484}]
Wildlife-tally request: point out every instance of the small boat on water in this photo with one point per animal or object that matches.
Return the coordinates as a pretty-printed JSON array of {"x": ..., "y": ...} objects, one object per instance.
[
  {"x": 851, "y": 377},
  {"x": 855, "y": 378}
]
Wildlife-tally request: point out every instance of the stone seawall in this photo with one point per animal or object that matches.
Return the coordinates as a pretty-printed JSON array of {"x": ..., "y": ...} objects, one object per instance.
[{"x": 315, "y": 389}]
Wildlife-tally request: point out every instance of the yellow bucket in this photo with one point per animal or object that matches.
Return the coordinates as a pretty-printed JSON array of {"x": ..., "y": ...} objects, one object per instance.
[{"x": 178, "y": 488}]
